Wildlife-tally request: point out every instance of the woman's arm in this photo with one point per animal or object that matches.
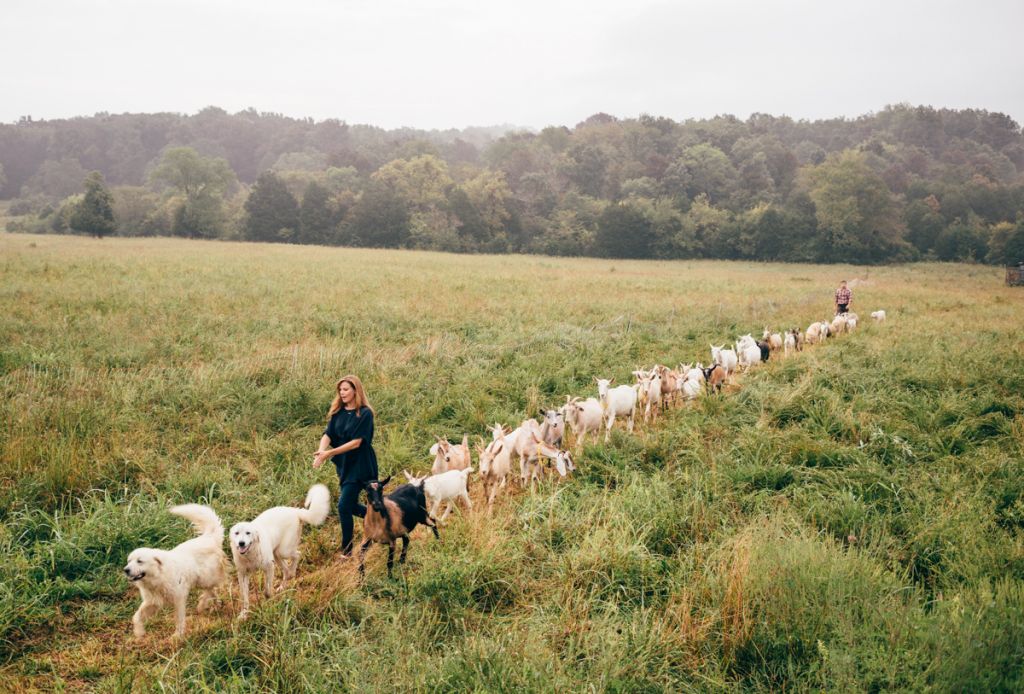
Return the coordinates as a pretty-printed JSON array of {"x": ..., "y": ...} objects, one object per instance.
[{"x": 325, "y": 453}]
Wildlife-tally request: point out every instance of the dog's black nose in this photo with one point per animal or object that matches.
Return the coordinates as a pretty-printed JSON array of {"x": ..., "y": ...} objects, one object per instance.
[{"x": 126, "y": 571}]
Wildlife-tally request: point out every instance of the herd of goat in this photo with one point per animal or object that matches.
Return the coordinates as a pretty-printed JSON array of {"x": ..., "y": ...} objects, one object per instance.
[{"x": 538, "y": 445}]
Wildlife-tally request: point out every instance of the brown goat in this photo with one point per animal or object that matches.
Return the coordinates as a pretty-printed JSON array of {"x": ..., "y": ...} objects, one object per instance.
[{"x": 393, "y": 516}]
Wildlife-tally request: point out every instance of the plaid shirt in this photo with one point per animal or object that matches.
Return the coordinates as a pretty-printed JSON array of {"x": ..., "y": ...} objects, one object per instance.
[{"x": 843, "y": 295}]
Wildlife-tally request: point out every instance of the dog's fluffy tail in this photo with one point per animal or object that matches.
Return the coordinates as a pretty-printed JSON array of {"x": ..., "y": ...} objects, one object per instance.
[
  {"x": 317, "y": 506},
  {"x": 204, "y": 520}
]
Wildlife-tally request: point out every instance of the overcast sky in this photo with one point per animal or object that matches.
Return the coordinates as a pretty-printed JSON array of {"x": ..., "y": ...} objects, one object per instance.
[{"x": 455, "y": 63}]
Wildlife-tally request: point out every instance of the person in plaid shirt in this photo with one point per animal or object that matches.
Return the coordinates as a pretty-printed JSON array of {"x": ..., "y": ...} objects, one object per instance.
[{"x": 844, "y": 297}]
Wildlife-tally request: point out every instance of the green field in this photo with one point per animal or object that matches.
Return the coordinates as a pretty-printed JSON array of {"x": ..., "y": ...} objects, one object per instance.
[{"x": 848, "y": 519}]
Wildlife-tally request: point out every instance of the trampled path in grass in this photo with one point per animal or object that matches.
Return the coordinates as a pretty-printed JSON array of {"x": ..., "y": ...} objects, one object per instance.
[{"x": 849, "y": 518}]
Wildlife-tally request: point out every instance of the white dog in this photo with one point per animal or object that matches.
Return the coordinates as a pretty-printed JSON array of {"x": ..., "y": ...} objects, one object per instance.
[
  {"x": 273, "y": 537},
  {"x": 170, "y": 575}
]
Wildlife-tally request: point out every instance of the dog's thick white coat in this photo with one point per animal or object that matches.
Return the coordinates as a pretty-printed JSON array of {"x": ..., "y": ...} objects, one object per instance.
[
  {"x": 273, "y": 538},
  {"x": 168, "y": 576}
]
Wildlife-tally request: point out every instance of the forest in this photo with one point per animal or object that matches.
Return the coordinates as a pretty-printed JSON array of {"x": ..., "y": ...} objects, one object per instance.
[{"x": 906, "y": 183}]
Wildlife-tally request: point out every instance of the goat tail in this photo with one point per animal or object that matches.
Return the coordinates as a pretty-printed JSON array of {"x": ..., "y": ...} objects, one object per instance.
[
  {"x": 317, "y": 506},
  {"x": 203, "y": 519}
]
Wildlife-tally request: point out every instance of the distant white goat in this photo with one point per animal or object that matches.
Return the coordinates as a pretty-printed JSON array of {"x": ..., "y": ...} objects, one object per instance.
[
  {"x": 531, "y": 447},
  {"x": 495, "y": 464},
  {"x": 726, "y": 358},
  {"x": 448, "y": 456},
  {"x": 879, "y": 316},
  {"x": 552, "y": 426},
  {"x": 813, "y": 335},
  {"x": 838, "y": 326},
  {"x": 774, "y": 340},
  {"x": 619, "y": 401},
  {"x": 583, "y": 416},
  {"x": 691, "y": 389},
  {"x": 790, "y": 342},
  {"x": 669, "y": 383},
  {"x": 650, "y": 394},
  {"x": 749, "y": 353},
  {"x": 445, "y": 487}
]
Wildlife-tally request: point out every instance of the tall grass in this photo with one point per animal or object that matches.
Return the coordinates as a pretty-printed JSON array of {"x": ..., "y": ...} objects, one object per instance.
[{"x": 849, "y": 519}]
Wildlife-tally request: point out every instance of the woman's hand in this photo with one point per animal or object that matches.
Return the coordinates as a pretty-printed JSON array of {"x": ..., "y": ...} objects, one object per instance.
[{"x": 319, "y": 457}]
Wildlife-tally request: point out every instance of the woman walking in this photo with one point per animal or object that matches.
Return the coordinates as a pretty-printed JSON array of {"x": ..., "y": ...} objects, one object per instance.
[{"x": 348, "y": 442}]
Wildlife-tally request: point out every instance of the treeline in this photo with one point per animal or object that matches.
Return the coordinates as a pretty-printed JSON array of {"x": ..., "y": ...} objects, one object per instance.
[{"x": 903, "y": 184}]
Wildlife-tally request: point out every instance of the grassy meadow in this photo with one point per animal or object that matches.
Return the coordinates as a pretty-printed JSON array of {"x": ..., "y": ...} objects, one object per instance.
[{"x": 849, "y": 519}]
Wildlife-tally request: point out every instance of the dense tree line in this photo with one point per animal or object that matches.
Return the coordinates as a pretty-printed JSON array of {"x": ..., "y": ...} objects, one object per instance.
[{"x": 902, "y": 184}]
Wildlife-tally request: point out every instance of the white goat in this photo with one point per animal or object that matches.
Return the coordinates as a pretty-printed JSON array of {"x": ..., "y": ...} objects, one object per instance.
[
  {"x": 669, "y": 383},
  {"x": 813, "y": 334},
  {"x": 692, "y": 372},
  {"x": 552, "y": 426},
  {"x": 616, "y": 402},
  {"x": 690, "y": 389},
  {"x": 650, "y": 394},
  {"x": 495, "y": 464},
  {"x": 584, "y": 417},
  {"x": 749, "y": 353},
  {"x": 726, "y": 358},
  {"x": 525, "y": 446},
  {"x": 774, "y": 340},
  {"x": 838, "y": 325},
  {"x": 448, "y": 456},
  {"x": 508, "y": 436},
  {"x": 445, "y": 487},
  {"x": 789, "y": 343},
  {"x": 879, "y": 316},
  {"x": 531, "y": 447}
]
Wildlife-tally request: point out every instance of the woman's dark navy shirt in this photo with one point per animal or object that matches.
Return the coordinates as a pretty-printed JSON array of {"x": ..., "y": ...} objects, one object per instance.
[{"x": 360, "y": 464}]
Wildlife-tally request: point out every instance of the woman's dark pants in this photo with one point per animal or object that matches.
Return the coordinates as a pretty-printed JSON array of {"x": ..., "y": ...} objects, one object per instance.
[{"x": 349, "y": 506}]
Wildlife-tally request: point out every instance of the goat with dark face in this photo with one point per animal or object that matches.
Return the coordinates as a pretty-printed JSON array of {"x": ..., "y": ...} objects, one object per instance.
[
  {"x": 391, "y": 517},
  {"x": 714, "y": 377}
]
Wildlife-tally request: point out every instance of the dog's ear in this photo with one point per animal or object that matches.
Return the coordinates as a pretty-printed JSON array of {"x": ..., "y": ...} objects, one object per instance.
[{"x": 157, "y": 560}]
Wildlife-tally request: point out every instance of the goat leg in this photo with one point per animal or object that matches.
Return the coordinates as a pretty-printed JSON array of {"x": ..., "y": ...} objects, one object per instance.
[
  {"x": 405, "y": 547},
  {"x": 362, "y": 557},
  {"x": 391, "y": 556}
]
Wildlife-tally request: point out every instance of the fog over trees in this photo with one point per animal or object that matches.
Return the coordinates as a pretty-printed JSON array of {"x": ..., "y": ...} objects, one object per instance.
[{"x": 902, "y": 184}]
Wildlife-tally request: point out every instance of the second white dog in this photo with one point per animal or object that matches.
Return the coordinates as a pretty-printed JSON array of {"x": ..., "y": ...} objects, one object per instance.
[{"x": 273, "y": 537}]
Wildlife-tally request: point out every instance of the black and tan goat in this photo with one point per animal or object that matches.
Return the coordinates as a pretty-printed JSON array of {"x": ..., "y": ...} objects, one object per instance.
[{"x": 391, "y": 517}]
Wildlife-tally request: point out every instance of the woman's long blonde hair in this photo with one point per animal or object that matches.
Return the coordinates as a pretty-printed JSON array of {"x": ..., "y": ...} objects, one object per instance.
[{"x": 357, "y": 386}]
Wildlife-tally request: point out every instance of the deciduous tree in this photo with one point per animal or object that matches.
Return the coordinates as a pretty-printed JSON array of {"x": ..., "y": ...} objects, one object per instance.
[{"x": 94, "y": 215}]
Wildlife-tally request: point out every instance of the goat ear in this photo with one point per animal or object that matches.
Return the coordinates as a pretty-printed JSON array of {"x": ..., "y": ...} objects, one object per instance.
[
  {"x": 611, "y": 381},
  {"x": 157, "y": 560},
  {"x": 384, "y": 482}
]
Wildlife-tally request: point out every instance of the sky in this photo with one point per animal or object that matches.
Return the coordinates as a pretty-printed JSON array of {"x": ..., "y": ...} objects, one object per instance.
[{"x": 458, "y": 63}]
